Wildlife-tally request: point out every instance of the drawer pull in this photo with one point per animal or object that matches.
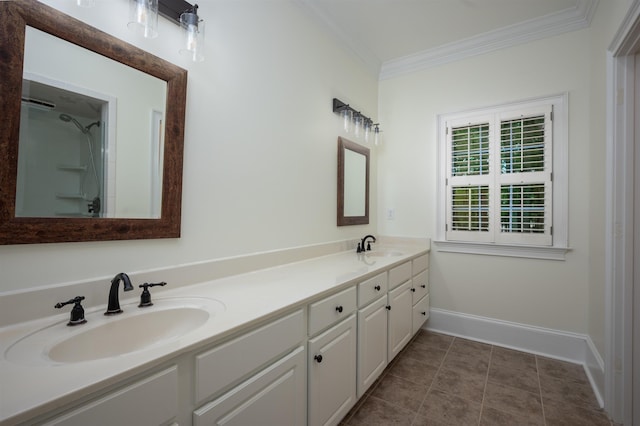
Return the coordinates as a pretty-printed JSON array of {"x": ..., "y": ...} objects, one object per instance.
[
  {"x": 377, "y": 288},
  {"x": 318, "y": 358},
  {"x": 413, "y": 290},
  {"x": 339, "y": 309},
  {"x": 423, "y": 313},
  {"x": 423, "y": 286},
  {"x": 388, "y": 307}
]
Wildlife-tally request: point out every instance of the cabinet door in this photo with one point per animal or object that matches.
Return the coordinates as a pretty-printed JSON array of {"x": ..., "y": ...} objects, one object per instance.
[
  {"x": 274, "y": 396},
  {"x": 151, "y": 401},
  {"x": 400, "y": 318},
  {"x": 372, "y": 343},
  {"x": 332, "y": 373}
]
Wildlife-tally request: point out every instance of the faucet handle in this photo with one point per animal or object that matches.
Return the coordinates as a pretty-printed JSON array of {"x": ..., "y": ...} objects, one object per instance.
[
  {"x": 77, "y": 312},
  {"x": 145, "y": 297}
]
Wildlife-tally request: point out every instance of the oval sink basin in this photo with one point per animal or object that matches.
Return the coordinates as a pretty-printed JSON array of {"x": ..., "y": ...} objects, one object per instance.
[
  {"x": 107, "y": 336},
  {"x": 124, "y": 335},
  {"x": 384, "y": 253}
]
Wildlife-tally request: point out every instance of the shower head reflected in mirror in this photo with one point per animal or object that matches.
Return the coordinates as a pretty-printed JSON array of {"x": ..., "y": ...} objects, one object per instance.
[{"x": 69, "y": 119}]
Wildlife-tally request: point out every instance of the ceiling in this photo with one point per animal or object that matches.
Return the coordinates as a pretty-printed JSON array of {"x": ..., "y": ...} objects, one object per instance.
[{"x": 398, "y": 36}]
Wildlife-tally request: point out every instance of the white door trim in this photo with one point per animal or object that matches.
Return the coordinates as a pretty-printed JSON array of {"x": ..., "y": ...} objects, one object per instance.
[{"x": 621, "y": 142}]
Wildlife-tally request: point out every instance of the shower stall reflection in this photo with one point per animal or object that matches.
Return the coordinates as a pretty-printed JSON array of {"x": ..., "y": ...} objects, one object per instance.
[{"x": 60, "y": 162}]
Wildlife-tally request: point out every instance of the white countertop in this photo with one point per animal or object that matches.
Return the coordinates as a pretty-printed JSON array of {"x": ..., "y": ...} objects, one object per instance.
[{"x": 29, "y": 389}]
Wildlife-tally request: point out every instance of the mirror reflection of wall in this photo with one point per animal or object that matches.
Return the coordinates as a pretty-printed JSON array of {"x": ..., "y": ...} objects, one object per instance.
[{"x": 355, "y": 181}]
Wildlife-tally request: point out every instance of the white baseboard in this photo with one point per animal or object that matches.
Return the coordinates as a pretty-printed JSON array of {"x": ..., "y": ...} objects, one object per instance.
[{"x": 562, "y": 345}]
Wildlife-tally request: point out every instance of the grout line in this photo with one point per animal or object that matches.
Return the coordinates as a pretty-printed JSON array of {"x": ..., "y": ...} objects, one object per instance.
[
  {"x": 486, "y": 381},
  {"x": 544, "y": 416},
  {"x": 433, "y": 380}
]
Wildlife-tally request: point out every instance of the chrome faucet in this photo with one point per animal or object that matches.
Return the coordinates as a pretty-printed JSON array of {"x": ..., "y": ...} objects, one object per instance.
[
  {"x": 114, "y": 303},
  {"x": 361, "y": 245}
]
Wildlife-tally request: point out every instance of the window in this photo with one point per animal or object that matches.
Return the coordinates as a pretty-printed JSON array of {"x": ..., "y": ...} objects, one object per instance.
[{"x": 498, "y": 186}]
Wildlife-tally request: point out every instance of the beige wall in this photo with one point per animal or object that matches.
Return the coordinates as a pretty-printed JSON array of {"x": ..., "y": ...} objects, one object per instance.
[
  {"x": 260, "y": 160},
  {"x": 563, "y": 295}
]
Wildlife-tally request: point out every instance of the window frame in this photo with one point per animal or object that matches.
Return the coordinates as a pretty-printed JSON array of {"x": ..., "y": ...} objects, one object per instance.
[{"x": 512, "y": 247}]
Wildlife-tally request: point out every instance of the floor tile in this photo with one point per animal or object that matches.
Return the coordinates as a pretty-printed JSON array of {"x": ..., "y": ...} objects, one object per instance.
[
  {"x": 447, "y": 409},
  {"x": 466, "y": 362},
  {"x": 377, "y": 412},
  {"x": 463, "y": 384},
  {"x": 413, "y": 370},
  {"x": 493, "y": 417},
  {"x": 427, "y": 354},
  {"x": 561, "y": 369},
  {"x": 440, "y": 380},
  {"x": 512, "y": 360},
  {"x": 562, "y": 414},
  {"x": 469, "y": 347},
  {"x": 433, "y": 340},
  {"x": 515, "y": 401},
  {"x": 568, "y": 391},
  {"x": 525, "y": 379},
  {"x": 400, "y": 392}
]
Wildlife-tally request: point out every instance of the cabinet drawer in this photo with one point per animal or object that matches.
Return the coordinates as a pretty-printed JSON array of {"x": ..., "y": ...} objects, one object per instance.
[
  {"x": 151, "y": 401},
  {"x": 420, "y": 285},
  {"x": 420, "y": 313},
  {"x": 371, "y": 289},
  {"x": 331, "y": 309},
  {"x": 231, "y": 361},
  {"x": 399, "y": 275},
  {"x": 420, "y": 263}
]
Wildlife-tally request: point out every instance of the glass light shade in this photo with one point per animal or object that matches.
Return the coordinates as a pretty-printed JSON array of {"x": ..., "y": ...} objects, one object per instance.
[
  {"x": 357, "y": 125},
  {"x": 192, "y": 36},
  {"x": 86, "y": 3},
  {"x": 377, "y": 136},
  {"x": 143, "y": 17},
  {"x": 346, "y": 115},
  {"x": 366, "y": 128}
]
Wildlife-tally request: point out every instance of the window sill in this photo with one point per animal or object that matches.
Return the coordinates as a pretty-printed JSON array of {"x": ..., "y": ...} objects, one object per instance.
[{"x": 531, "y": 252}]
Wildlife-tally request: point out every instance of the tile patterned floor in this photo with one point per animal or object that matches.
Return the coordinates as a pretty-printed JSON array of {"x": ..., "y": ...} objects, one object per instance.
[{"x": 443, "y": 380}]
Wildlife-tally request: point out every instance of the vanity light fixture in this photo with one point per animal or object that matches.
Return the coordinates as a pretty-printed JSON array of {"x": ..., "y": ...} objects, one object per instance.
[
  {"x": 143, "y": 18},
  {"x": 356, "y": 121}
]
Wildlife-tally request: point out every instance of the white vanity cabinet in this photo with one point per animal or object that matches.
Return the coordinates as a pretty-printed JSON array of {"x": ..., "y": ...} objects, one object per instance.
[
  {"x": 420, "y": 298},
  {"x": 332, "y": 358},
  {"x": 400, "y": 305},
  {"x": 251, "y": 381},
  {"x": 372, "y": 331},
  {"x": 150, "y": 401}
]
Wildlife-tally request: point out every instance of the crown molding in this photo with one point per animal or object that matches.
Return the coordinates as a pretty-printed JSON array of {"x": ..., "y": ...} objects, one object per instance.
[
  {"x": 356, "y": 47},
  {"x": 571, "y": 19}
]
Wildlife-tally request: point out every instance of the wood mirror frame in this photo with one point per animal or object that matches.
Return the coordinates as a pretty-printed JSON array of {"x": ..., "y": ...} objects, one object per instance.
[
  {"x": 15, "y": 16},
  {"x": 344, "y": 144}
]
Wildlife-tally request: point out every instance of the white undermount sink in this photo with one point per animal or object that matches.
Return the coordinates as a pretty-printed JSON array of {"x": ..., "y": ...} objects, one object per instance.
[
  {"x": 110, "y": 336},
  {"x": 383, "y": 253}
]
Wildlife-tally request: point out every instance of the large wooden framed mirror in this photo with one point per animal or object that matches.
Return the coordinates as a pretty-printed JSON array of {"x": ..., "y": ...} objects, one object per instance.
[
  {"x": 353, "y": 183},
  {"x": 19, "y": 19}
]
